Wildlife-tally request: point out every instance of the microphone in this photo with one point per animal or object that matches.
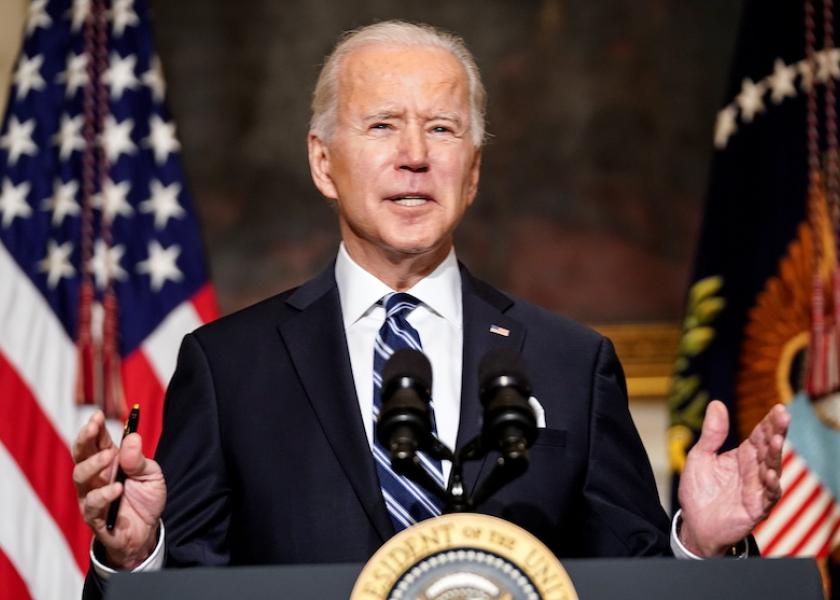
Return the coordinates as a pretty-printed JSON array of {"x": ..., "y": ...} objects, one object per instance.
[
  {"x": 510, "y": 425},
  {"x": 404, "y": 422}
]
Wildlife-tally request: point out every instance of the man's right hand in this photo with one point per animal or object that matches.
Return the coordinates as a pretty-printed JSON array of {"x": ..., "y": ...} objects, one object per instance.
[{"x": 134, "y": 536}]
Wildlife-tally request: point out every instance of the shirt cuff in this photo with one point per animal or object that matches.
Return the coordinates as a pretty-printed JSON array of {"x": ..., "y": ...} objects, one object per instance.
[
  {"x": 153, "y": 563},
  {"x": 741, "y": 550}
]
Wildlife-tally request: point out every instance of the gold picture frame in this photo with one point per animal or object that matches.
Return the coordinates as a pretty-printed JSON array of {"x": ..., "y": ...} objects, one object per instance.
[{"x": 647, "y": 351}]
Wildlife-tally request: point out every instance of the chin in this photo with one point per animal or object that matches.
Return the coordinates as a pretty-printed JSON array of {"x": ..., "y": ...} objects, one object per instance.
[
  {"x": 419, "y": 249},
  {"x": 408, "y": 250},
  {"x": 402, "y": 242}
]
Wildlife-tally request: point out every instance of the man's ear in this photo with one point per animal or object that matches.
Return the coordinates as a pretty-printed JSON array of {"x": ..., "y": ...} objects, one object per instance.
[{"x": 319, "y": 166}]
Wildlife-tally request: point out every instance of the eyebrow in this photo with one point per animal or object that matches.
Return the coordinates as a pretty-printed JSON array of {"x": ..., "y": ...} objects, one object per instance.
[
  {"x": 453, "y": 117},
  {"x": 384, "y": 115}
]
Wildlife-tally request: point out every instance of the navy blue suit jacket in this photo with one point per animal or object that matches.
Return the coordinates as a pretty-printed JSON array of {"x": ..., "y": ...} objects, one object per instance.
[{"x": 266, "y": 458}]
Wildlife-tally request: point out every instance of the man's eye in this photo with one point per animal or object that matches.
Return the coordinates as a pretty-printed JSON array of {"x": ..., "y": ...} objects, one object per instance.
[
  {"x": 380, "y": 126},
  {"x": 441, "y": 129}
]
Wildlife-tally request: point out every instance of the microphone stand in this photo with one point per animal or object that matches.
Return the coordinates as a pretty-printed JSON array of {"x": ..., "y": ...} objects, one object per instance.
[
  {"x": 509, "y": 426},
  {"x": 511, "y": 463},
  {"x": 404, "y": 460}
]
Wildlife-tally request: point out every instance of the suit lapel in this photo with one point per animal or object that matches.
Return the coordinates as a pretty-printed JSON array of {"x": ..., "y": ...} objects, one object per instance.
[
  {"x": 484, "y": 308},
  {"x": 317, "y": 346}
]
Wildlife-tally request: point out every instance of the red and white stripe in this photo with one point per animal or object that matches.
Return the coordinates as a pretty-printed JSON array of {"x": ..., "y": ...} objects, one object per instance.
[
  {"x": 806, "y": 520},
  {"x": 43, "y": 539}
]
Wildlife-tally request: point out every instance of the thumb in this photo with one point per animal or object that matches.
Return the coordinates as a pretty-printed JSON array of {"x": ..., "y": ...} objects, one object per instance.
[
  {"x": 132, "y": 461},
  {"x": 715, "y": 428}
]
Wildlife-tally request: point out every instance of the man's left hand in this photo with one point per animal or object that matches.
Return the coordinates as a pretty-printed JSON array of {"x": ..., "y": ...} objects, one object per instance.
[{"x": 724, "y": 496}]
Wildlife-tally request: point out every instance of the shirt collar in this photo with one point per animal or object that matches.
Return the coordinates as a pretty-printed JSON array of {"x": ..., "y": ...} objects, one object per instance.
[{"x": 360, "y": 291}]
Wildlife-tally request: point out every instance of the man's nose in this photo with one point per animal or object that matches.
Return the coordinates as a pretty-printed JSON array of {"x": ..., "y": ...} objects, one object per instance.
[{"x": 413, "y": 151}]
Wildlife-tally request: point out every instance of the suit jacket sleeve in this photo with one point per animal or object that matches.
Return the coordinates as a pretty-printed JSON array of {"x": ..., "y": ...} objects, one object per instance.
[
  {"x": 190, "y": 452},
  {"x": 622, "y": 514}
]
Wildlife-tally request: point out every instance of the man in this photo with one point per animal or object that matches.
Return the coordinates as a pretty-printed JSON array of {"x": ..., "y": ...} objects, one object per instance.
[{"x": 266, "y": 447}]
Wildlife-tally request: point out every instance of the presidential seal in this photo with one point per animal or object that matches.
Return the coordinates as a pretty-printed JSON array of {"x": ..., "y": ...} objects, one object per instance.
[{"x": 464, "y": 556}]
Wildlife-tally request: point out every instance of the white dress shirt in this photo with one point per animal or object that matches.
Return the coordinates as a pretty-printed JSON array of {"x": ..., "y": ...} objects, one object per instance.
[{"x": 438, "y": 320}]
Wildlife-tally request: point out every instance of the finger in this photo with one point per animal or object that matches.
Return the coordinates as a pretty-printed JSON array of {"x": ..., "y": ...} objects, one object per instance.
[
  {"x": 774, "y": 452},
  {"x": 772, "y": 488},
  {"x": 770, "y": 480},
  {"x": 769, "y": 447},
  {"x": 86, "y": 472},
  {"x": 82, "y": 445},
  {"x": 92, "y": 437},
  {"x": 98, "y": 501},
  {"x": 103, "y": 439},
  {"x": 769, "y": 473},
  {"x": 715, "y": 428},
  {"x": 773, "y": 424},
  {"x": 773, "y": 482},
  {"x": 759, "y": 439},
  {"x": 132, "y": 461},
  {"x": 780, "y": 419}
]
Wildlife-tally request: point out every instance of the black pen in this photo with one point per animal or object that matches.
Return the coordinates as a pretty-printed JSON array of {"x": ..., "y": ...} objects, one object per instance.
[{"x": 130, "y": 427}]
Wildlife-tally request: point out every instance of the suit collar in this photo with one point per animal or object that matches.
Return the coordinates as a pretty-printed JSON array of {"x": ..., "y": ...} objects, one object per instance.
[
  {"x": 313, "y": 289},
  {"x": 440, "y": 290}
]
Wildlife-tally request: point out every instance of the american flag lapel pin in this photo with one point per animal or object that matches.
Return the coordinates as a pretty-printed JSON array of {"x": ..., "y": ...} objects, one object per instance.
[{"x": 498, "y": 330}]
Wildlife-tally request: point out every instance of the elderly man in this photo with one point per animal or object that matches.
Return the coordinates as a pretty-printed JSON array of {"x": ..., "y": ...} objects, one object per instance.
[{"x": 268, "y": 431}]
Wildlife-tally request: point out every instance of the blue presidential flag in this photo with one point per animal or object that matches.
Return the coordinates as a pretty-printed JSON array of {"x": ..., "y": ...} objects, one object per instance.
[{"x": 762, "y": 320}]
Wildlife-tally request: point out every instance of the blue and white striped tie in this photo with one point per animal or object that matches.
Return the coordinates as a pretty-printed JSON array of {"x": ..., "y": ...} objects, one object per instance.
[{"x": 406, "y": 501}]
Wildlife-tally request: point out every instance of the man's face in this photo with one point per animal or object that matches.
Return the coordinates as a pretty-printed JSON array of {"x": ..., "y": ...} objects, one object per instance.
[{"x": 401, "y": 164}]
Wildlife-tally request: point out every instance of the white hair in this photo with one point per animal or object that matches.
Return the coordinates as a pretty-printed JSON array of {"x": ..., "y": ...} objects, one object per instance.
[{"x": 394, "y": 33}]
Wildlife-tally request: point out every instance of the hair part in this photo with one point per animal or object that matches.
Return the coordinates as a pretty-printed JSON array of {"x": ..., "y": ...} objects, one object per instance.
[{"x": 394, "y": 33}]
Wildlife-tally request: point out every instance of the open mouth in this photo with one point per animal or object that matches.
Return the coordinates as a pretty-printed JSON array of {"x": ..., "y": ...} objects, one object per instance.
[{"x": 410, "y": 199}]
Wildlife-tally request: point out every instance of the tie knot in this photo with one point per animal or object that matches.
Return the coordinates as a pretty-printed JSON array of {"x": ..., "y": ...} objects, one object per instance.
[{"x": 399, "y": 303}]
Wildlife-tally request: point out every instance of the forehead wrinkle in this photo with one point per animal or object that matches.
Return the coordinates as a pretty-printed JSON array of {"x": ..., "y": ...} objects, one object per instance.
[{"x": 362, "y": 78}]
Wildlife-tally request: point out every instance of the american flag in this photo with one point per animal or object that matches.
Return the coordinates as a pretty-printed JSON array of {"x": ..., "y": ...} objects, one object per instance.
[
  {"x": 91, "y": 189},
  {"x": 806, "y": 521}
]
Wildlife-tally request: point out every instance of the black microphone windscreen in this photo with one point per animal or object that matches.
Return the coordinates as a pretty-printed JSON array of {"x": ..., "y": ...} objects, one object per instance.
[
  {"x": 501, "y": 362},
  {"x": 408, "y": 363}
]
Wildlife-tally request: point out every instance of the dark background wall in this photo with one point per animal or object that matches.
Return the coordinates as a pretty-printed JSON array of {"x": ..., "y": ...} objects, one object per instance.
[{"x": 601, "y": 114}]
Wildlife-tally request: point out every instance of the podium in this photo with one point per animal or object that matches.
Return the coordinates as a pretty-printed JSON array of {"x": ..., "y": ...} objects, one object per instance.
[{"x": 629, "y": 579}]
